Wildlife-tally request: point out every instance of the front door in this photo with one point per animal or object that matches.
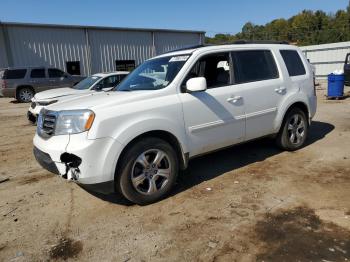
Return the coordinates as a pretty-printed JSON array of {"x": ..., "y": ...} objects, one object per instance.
[
  {"x": 58, "y": 78},
  {"x": 38, "y": 79},
  {"x": 347, "y": 69},
  {"x": 213, "y": 118}
]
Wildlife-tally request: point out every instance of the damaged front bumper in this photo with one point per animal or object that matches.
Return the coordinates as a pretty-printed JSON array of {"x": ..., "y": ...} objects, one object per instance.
[
  {"x": 45, "y": 160},
  {"x": 89, "y": 162}
]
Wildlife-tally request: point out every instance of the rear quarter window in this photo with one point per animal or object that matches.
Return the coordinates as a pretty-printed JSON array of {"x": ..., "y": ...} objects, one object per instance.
[
  {"x": 293, "y": 62},
  {"x": 14, "y": 74}
]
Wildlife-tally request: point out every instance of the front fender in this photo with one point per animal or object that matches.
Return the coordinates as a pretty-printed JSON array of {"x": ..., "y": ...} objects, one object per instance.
[{"x": 136, "y": 128}]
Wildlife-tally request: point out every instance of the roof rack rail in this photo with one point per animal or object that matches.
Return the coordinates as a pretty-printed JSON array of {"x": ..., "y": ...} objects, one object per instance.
[
  {"x": 237, "y": 42},
  {"x": 241, "y": 42},
  {"x": 185, "y": 48}
]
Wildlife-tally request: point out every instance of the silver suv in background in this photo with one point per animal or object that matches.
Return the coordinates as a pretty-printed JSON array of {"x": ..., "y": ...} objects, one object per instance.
[{"x": 23, "y": 83}]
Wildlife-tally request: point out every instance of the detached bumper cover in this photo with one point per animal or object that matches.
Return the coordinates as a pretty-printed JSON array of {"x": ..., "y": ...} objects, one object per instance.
[{"x": 45, "y": 160}]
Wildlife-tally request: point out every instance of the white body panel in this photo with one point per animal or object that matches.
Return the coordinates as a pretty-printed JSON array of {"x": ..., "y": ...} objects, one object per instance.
[
  {"x": 64, "y": 94},
  {"x": 200, "y": 121}
]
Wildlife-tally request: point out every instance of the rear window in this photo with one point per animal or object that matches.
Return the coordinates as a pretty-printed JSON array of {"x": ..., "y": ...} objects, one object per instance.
[
  {"x": 37, "y": 73},
  {"x": 14, "y": 74},
  {"x": 293, "y": 62},
  {"x": 254, "y": 65}
]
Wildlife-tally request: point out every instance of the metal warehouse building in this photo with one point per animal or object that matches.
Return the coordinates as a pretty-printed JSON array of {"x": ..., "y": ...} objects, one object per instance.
[
  {"x": 327, "y": 57},
  {"x": 87, "y": 50}
]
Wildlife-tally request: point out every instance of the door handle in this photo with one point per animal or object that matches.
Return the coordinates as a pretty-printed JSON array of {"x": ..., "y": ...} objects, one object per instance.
[
  {"x": 280, "y": 90},
  {"x": 233, "y": 99}
]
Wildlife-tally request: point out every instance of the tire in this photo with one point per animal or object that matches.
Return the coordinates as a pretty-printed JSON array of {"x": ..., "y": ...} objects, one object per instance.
[
  {"x": 294, "y": 130},
  {"x": 25, "y": 94},
  {"x": 147, "y": 172}
]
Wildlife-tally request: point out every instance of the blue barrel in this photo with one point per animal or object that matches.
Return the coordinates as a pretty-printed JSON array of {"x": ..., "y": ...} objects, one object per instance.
[{"x": 335, "y": 85}]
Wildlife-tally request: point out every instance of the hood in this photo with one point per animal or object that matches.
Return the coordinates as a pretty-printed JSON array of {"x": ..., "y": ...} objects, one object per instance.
[
  {"x": 99, "y": 99},
  {"x": 57, "y": 92}
]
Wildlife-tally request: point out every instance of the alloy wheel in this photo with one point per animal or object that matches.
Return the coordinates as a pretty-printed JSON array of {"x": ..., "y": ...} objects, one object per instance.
[
  {"x": 26, "y": 95},
  {"x": 151, "y": 171},
  {"x": 296, "y": 129}
]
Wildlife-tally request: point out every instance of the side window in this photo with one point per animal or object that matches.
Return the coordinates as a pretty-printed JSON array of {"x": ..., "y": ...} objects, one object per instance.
[
  {"x": 37, "y": 73},
  {"x": 14, "y": 74},
  {"x": 121, "y": 77},
  {"x": 293, "y": 62},
  {"x": 214, "y": 67},
  {"x": 55, "y": 73},
  {"x": 253, "y": 65},
  {"x": 108, "y": 82}
]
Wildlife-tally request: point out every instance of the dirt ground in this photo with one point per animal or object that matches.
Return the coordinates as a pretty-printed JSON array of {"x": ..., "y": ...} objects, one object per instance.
[{"x": 251, "y": 202}]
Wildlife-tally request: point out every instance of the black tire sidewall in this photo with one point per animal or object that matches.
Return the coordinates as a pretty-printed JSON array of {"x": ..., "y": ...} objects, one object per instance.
[
  {"x": 19, "y": 92},
  {"x": 123, "y": 176},
  {"x": 283, "y": 138}
]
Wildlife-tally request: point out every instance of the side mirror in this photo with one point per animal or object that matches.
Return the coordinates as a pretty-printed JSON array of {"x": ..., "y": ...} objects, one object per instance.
[
  {"x": 98, "y": 87},
  {"x": 196, "y": 84}
]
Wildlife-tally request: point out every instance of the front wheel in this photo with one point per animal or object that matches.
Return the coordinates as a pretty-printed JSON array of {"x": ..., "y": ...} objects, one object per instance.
[
  {"x": 147, "y": 172},
  {"x": 294, "y": 129}
]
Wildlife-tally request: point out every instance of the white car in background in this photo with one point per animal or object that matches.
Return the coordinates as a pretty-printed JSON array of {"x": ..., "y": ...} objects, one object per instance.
[{"x": 96, "y": 82}]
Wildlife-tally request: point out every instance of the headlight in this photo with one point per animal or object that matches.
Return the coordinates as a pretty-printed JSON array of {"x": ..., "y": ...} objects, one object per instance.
[{"x": 73, "y": 121}]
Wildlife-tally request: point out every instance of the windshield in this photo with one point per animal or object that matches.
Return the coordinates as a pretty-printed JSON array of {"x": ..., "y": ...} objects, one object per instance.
[
  {"x": 87, "y": 82},
  {"x": 153, "y": 74}
]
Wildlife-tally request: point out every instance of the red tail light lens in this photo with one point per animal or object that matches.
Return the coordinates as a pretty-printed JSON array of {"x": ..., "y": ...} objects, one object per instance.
[{"x": 4, "y": 84}]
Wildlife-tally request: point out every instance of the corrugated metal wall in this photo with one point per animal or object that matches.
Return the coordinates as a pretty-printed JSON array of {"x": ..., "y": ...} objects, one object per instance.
[
  {"x": 327, "y": 58},
  {"x": 3, "y": 54},
  {"x": 167, "y": 41},
  {"x": 42, "y": 46},
  {"x": 97, "y": 49},
  {"x": 108, "y": 46}
]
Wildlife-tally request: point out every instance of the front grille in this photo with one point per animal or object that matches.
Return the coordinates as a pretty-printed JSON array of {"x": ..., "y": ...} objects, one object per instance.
[
  {"x": 33, "y": 105},
  {"x": 46, "y": 123}
]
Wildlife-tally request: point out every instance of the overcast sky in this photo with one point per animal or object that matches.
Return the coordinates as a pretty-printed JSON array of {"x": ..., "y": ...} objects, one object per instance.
[{"x": 212, "y": 16}]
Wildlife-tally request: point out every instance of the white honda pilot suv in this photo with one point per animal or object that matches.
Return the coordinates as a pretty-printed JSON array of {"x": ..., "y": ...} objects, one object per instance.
[{"x": 176, "y": 106}]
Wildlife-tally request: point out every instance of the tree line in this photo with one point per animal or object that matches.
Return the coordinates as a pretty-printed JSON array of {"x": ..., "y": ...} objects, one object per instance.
[{"x": 305, "y": 28}]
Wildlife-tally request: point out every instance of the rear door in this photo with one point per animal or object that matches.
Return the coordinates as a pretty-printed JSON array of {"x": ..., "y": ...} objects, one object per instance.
[
  {"x": 38, "y": 79},
  {"x": 58, "y": 78},
  {"x": 347, "y": 69},
  {"x": 213, "y": 118},
  {"x": 257, "y": 78}
]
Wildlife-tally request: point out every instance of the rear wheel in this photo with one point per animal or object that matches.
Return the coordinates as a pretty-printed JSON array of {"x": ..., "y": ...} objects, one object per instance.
[
  {"x": 25, "y": 94},
  {"x": 147, "y": 172},
  {"x": 293, "y": 131}
]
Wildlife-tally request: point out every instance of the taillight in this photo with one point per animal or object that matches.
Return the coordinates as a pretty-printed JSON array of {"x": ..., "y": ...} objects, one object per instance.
[
  {"x": 4, "y": 84},
  {"x": 314, "y": 86}
]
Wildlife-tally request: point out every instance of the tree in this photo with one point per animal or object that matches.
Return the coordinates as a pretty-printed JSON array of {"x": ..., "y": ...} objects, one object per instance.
[{"x": 306, "y": 28}]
